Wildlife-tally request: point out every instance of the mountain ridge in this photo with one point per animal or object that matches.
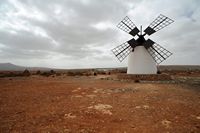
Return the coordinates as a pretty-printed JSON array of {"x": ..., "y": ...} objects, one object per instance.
[{"x": 13, "y": 67}]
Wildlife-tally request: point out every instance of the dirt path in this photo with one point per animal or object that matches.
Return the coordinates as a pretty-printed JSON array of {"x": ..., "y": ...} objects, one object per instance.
[{"x": 87, "y": 104}]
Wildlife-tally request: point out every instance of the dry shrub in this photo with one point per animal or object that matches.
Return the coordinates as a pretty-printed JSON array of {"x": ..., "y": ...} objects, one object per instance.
[
  {"x": 49, "y": 73},
  {"x": 46, "y": 74},
  {"x": 15, "y": 74},
  {"x": 70, "y": 73},
  {"x": 58, "y": 74},
  {"x": 38, "y": 72},
  {"x": 158, "y": 72},
  {"x": 137, "y": 81},
  {"x": 52, "y": 72},
  {"x": 100, "y": 72}
]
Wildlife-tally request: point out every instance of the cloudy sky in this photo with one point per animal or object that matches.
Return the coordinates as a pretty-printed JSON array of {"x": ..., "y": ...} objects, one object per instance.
[{"x": 81, "y": 33}]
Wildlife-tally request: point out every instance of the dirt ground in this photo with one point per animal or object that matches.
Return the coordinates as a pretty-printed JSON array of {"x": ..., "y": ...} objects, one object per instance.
[{"x": 81, "y": 104}]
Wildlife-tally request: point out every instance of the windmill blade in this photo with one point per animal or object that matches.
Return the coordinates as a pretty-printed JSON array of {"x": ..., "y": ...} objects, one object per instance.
[
  {"x": 133, "y": 43},
  {"x": 148, "y": 43},
  {"x": 158, "y": 53},
  {"x": 159, "y": 23},
  {"x": 128, "y": 26},
  {"x": 122, "y": 51}
]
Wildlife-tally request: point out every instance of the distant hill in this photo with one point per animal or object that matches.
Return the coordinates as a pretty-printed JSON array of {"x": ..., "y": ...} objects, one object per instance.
[
  {"x": 179, "y": 67},
  {"x": 12, "y": 67}
]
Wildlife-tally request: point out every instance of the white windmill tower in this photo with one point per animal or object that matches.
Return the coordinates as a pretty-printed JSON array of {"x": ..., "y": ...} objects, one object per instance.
[{"x": 143, "y": 54}]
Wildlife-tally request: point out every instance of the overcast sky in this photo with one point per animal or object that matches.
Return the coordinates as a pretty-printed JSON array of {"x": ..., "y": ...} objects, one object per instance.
[{"x": 81, "y": 33}]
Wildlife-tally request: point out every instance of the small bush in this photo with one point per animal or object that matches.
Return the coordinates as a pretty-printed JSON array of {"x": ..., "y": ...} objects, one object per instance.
[
  {"x": 52, "y": 72},
  {"x": 79, "y": 73},
  {"x": 47, "y": 74},
  {"x": 158, "y": 72},
  {"x": 137, "y": 81},
  {"x": 38, "y": 72},
  {"x": 58, "y": 74},
  {"x": 15, "y": 74},
  {"x": 70, "y": 73}
]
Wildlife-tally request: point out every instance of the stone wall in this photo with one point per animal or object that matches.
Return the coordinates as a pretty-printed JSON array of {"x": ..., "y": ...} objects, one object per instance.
[{"x": 145, "y": 77}]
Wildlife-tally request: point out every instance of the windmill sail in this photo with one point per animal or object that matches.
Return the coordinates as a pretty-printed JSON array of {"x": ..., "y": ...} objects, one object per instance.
[
  {"x": 159, "y": 23},
  {"x": 158, "y": 53},
  {"x": 122, "y": 51},
  {"x": 128, "y": 26}
]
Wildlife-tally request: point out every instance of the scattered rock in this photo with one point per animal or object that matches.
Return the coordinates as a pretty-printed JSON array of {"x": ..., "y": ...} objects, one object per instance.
[
  {"x": 108, "y": 112},
  {"x": 67, "y": 131},
  {"x": 145, "y": 106},
  {"x": 97, "y": 90},
  {"x": 79, "y": 88},
  {"x": 104, "y": 108},
  {"x": 121, "y": 90},
  {"x": 78, "y": 96},
  {"x": 70, "y": 116},
  {"x": 76, "y": 89},
  {"x": 166, "y": 123},
  {"x": 132, "y": 126},
  {"x": 91, "y": 96},
  {"x": 198, "y": 117},
  {"x": 137, "y": 107}
]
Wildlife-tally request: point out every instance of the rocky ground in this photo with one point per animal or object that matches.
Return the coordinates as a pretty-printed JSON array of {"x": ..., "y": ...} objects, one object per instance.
[{"x": 97, "y": 104}]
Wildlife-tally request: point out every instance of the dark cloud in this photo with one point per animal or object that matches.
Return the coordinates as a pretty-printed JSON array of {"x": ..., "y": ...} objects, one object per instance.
[{"x": 80, "y": 33}]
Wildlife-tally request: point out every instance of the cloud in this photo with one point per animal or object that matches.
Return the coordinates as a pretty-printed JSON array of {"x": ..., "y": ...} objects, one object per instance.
[
  {"x": 103, "y": 25},
  {"x": 81, "y": 33}
]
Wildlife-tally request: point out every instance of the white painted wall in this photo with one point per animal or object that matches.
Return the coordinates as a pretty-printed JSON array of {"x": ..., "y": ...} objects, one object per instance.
[{"x": 141, "y": 62}]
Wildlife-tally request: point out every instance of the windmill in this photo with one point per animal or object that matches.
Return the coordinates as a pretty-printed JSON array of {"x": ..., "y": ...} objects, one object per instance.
[{"x": 144, "y": 55}]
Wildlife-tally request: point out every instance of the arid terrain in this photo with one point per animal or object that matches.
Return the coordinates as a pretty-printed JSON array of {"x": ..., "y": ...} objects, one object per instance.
[{"x": 99, "y": 103}]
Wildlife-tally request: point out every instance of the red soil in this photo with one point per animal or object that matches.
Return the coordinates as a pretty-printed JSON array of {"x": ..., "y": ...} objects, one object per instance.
[{"x": 88, "y": 104}]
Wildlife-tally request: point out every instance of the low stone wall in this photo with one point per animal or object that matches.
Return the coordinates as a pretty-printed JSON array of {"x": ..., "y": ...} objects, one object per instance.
[{"x": 144, "y": 77}]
